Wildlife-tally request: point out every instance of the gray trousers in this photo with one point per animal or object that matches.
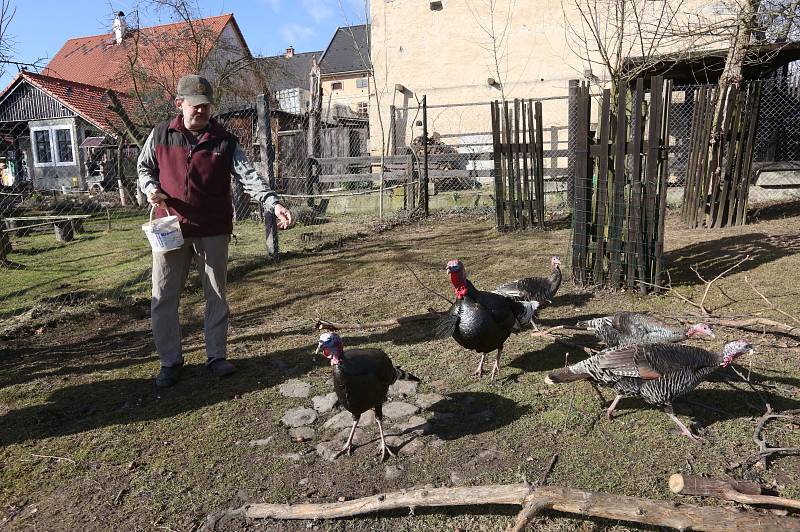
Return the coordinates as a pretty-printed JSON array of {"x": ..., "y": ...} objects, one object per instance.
[{"x": 170, "y": 270}]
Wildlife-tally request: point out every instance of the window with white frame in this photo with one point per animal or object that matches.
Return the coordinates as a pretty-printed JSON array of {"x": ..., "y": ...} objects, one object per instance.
[
  {"x": 362, "y": 83},
  {"x": 53, "y": 146},
  {"x": 363, "y": 108}
]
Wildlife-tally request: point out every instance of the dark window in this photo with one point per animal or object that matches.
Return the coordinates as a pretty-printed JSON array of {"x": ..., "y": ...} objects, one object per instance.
[
  {"x": 64, "y": 143},
  {"x": 336, "y": 86},
  {"x": 361, "y": 83},
  {"x": 42, "y": 141}
]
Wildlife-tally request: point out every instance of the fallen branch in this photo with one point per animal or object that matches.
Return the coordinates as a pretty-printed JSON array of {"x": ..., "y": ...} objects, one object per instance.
[
  {"x": 533, "y": 504},
  {"x": 712, "y": 281},
  {"x": 765, "y": 451},
  {"x": 732, "y": 490},
  {"x": 567, "y": 500},
  {"x": 770, "y": 303},
  {"x": 749, "y": 322}
]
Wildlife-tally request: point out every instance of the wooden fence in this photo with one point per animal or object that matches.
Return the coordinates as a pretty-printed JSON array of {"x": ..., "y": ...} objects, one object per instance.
[
  {"x": 518, "y": 164},
  {"x": 721, "y": 157},
  {"x": 620, "y": 188}
]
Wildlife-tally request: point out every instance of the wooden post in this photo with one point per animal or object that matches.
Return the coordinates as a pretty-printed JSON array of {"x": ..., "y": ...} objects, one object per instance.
[
  {"x": 5, "y": 242},
  {"x": 264, "y": 145},
  {"x": 312, "y": 135},
  {"x": 601, "y": 204},
  {"x": 424, "y": 186},
  {"x": 572, "y": 136},
  {"x": 540, "y": 194},
  {"x": 497, "y": 155}
]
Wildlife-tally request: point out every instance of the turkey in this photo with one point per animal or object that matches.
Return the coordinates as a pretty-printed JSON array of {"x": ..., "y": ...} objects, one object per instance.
[
  {"x": 534, "y": 288},
  {"x": 361, "y": 379},
  {"x": 634, "y": 328},
  {"x": 658, "y": 373},
  {"x": 482, "y": 321}
]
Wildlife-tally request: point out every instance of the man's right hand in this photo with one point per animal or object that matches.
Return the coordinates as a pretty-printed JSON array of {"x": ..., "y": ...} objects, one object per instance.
[{"x": 156, "y": 198}]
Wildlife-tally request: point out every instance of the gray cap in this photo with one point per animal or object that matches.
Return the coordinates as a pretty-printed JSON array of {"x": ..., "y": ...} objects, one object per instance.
[{"x": 195, "y": 90}]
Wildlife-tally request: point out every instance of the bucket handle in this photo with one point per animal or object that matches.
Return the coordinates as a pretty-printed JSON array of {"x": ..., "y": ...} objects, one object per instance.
[{"x": 152, "y": 210}]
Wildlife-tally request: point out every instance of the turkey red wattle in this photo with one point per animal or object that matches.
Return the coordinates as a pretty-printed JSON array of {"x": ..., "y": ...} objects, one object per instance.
[{"x": 459, "y": 283}]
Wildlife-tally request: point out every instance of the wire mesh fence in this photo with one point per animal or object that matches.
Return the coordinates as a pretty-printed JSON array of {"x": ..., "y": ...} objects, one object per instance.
[{"x": 776, "y": 156}]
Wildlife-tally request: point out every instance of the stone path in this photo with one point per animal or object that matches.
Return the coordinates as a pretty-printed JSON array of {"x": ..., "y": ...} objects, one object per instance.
[{"x": 406, "y": 419}]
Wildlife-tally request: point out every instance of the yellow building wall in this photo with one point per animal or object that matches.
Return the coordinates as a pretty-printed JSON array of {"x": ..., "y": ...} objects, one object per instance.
[
  {"x": 349, "y": 95},
  {"x": 448, "y": 56}
]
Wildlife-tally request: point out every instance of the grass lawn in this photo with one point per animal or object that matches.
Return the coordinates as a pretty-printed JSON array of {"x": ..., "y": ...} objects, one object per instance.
[{"x": 88, "y": 443}]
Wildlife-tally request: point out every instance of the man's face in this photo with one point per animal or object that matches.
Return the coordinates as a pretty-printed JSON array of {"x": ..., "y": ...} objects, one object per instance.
[{"x": 195, "y": 117}]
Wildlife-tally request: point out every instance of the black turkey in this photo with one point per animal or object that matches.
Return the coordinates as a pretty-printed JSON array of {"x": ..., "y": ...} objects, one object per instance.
[
  {"x": 634, "y": 328},
  {"x": 482, "y": 321},
  {"x": 658, "y": 373},
  {"x": 361, "y": 379},
  {"x": 534, "y": 288}
]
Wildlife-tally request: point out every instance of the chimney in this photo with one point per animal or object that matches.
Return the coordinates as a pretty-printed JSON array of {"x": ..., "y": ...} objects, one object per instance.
[
  {"x": 289, "y": 52},
  {"x": 119, "y": 27}
]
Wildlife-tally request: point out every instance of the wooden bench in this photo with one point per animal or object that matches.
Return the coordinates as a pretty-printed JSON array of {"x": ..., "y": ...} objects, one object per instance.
[{"x": 65, "y": 225}]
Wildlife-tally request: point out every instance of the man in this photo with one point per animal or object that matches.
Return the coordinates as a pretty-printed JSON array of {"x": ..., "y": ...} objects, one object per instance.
[{"x": 186, "y": 165}]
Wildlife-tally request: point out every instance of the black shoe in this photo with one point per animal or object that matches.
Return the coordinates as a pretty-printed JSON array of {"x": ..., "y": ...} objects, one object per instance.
[
  {"x": 168, "y": 376},
  {"x": 220, "y": 367}
]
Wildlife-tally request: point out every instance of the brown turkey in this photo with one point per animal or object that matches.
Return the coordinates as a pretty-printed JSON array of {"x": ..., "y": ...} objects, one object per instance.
[
  {"x": 482, "y": 321},
  {"x": 658, "y": 373},
  {"x": 361, "y": 380}
]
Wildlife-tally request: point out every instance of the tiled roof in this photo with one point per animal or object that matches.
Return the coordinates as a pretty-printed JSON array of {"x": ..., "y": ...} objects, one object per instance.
[
  {"x": 348, "y": 51},
  {"x": 164, "y": 52},
  {"x": 283, "y": 72},
  {"x": 88, "y": 101}
]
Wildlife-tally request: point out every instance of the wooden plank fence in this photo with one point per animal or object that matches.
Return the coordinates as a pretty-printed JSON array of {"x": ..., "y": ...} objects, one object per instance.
[
  {"x": 721, "y": 157},
  {"x": 518, "y": 164},
  {"x": 620, "y": 187}
]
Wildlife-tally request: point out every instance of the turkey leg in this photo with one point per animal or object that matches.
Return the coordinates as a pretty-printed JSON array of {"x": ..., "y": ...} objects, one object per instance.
[
  {"x": 685, "y": 431},
  {"x": 479, "y": 371},
  {"x": 348, "y": 445},
  {"x": 496, "y": 367},
  {"x": 383, "y": 449},
  {"x": 610, "y": 411}
]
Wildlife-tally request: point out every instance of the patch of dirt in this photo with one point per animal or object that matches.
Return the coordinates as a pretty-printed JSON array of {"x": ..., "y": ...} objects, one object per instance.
[{"x": 91, "y": 444}]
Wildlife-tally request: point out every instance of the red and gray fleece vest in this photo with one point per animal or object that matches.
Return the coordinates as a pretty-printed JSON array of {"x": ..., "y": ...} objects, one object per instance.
[{"x": 197, "y": 180}]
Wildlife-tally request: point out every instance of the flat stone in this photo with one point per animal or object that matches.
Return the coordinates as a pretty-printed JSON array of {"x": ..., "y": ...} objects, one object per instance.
[
  {"x": 414, "y": 425},
  {"x": 292, "y": 457},
  {"x": 295, "y": 388},
  {"x": 393, "y": 472},
  {"x": 412, "y": 447},
  {"x": 426, "y": 400},
  {"x": 398, "y": 409},
  {"x": 345, "y": 419},
  {"x": 403, "y": 388},
  {"x": 327, "y": 450},
  {"x": 261, "y": 443},
  {"x": 340, "y": 437},
  {"x": 299, "y": 417},
  {"x": 324, "y": 403},
  {"x": 302, "y": 434}
]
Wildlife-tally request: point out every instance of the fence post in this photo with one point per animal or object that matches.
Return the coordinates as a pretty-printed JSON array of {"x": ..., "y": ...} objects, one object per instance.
[
  {"x": 264, "y": 145},
  {"x": 425, "y": 155},
  {"x": 312, "y": 136},
  {"x": 572, "y": 134},
  {"x": 5, "y": 242}
]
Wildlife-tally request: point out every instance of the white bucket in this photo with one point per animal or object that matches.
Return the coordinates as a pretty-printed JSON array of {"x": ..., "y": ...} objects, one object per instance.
[{"x": 164, "y": 233}]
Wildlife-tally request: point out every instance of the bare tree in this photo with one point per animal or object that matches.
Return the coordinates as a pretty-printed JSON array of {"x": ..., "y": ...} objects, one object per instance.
[{"x": 495, "y": 26}]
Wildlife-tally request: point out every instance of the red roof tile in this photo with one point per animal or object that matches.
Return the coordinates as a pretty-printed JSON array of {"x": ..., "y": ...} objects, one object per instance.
[
  {"x": 88, "y": 101},
  {"x": 164, "y": 52}
]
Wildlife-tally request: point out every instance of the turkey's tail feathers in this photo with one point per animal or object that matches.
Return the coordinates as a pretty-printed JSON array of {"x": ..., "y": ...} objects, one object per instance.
[
  {"x": 405, "y": 376},
  {"x": 445, "y": 326},
  {"x": 565, "y": 375}
]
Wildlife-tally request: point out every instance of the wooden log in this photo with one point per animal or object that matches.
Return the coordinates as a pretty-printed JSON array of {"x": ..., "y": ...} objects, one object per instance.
[
  {"x": 732, "y": 490},
  {"x": 567, "y": 500}
]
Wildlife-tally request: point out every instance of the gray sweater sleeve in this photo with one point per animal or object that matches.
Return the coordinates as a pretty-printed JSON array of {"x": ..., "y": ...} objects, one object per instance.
[
  {"x": 147, "y": 166},
  {"x": 255, "y": 185}
]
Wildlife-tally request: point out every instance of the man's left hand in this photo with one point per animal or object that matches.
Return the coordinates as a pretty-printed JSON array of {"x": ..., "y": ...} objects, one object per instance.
[{"x": 283, "y": 215}]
